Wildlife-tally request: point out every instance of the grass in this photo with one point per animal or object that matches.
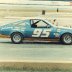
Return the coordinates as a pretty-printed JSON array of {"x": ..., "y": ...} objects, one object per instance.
[
  {"x": 35, "y": 67},
  {"x": 8, "y": 69}
]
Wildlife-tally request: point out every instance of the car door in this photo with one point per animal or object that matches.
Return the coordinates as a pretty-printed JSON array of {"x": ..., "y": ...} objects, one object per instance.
[{"x": 41, "y": 29}]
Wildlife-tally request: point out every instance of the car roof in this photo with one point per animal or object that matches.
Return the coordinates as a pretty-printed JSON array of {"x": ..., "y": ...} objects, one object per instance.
[{"x": 28, "y": 18}]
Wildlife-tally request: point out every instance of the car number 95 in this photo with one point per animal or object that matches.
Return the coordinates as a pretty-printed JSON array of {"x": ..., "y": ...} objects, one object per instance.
[{"x": 41, "y": 33}]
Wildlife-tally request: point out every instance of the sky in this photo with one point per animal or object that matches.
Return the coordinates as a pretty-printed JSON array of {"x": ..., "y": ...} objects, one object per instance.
[
  {"x": 22, "y": 1},
  {"x": 34, "y": 2},
  {"x": 27, "y": 1}
]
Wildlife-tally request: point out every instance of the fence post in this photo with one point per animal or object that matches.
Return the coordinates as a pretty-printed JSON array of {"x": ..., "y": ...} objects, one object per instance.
[{"x": 43, "y": 12}]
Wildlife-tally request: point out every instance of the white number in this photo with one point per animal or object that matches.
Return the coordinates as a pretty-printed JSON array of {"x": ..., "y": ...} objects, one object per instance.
[
  {"x": 40, "y": 33},
  {"x": 46, "y": 33},
  {"x": 37, "y": 32}
]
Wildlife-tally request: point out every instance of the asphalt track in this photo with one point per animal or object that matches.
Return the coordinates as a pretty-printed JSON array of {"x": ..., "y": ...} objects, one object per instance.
[{"x": 34, "y": 51}]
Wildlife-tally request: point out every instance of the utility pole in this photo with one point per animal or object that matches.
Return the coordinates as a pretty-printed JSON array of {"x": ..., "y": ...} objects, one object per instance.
[{"x": 57, "y": 10}]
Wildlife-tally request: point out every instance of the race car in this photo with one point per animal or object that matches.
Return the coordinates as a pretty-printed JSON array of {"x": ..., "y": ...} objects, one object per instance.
[{"x": 36, "y": 29}]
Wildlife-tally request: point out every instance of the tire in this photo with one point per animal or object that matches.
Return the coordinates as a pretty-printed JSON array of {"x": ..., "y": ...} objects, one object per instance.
[
  {"x": 66, "y": 39},
  {"x": 17, "y": 38}
]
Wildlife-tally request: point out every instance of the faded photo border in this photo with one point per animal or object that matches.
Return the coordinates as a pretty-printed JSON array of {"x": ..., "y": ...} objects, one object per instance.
[{"x": 35, "y": 56}]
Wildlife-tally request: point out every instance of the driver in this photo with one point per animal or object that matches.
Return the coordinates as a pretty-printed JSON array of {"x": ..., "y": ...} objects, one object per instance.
[{"x": 34, "y": 24}]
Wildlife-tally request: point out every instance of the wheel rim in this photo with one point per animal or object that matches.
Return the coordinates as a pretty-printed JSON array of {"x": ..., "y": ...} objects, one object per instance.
[
  {"x": 16, "y": 38},
  {"x": 67, "y": 39}
]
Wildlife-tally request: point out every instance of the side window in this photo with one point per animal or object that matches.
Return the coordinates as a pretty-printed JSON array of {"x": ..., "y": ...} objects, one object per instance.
[
  {"x": 38, "y": 24},
  {"x": 41, "y": 24},
  {"x": 34, "y": 23}
]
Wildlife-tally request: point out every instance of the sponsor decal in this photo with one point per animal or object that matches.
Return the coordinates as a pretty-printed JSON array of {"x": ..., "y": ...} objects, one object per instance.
[
  {"x": 56, "y": 34},
  {"x": 58, "y": 30}
]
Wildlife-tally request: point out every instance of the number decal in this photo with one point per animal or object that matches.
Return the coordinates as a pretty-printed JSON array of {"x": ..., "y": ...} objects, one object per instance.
[
  {"x": 45, "y": 33},
  {"x": 37, "y": 32},
  {"x": 41, "y": 33}
]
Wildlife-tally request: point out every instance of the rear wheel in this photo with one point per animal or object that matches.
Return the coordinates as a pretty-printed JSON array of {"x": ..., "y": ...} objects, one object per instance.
[
  {"x": 66, "y": 39},
  {"x": 17, "y": 38}
]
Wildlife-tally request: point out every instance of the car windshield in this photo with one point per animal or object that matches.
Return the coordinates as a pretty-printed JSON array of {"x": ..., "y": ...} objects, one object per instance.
[{"x": 52, "y": 22}]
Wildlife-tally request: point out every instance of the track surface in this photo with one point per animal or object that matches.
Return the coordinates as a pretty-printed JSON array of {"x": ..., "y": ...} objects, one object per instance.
[{"x": 36, "y": 51}]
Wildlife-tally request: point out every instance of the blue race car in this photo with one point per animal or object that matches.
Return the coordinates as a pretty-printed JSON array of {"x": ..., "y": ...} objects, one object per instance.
[{"x": 36, "y": 29}]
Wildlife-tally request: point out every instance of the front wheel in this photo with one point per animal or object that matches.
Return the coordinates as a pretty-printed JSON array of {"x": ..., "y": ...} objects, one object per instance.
[
  {"x": 17, "y": 38},
  {"x": 66, "y": 39}
]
